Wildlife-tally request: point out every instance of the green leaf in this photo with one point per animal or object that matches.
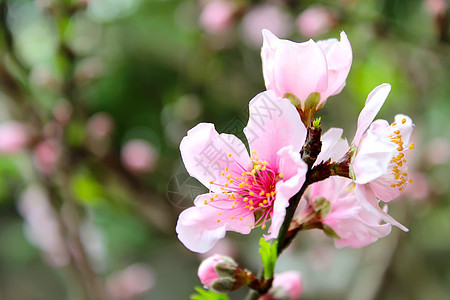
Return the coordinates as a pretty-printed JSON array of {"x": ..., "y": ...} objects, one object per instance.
[
  {"x": 268, "y": 254},
  {"x": 294, "y": 100},
  {"x": 316, "y": 123},
  {"x": 207, "y": 295},
  {"x": 330, "y": 232}
]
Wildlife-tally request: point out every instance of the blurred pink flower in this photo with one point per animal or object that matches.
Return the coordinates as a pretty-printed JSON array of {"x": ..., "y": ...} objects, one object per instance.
[
  {"x": 287, "y": 286},
  {"x": 261, "y": 16},
  {"x": 436, "y": 7},
  {"x": 130, "y": 282},
  {"x": 438, "y": 150},
  {"x": 14, "y": 136},
  {"x": 217, "y": 16},
  {"x": 100, "y": 125},
  {"x": 46, "y": 156},
  {"x": 41, "y": 225},
  {"x": 221, "y": 162},
  {"x": 139, "y": 156},
  {"x": 315, "y": 20},
  {"x": 379, "y": 163},
  {"x": 305, "y": 68}
]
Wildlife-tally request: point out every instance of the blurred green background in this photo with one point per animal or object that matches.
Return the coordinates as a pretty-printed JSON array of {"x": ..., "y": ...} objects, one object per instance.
[{"x": 107, "y": 89}]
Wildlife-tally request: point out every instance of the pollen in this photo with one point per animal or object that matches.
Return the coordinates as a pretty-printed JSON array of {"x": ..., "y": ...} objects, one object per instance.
[{"x": 403, "y": 121}]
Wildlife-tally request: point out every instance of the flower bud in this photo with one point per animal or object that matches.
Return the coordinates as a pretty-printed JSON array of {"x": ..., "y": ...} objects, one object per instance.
[
  {"x": 285, "y": 286},
  {"x": 221, "y": 274}
]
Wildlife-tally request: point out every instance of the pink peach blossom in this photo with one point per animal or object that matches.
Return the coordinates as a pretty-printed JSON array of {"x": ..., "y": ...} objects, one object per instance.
[
  {"x": 305, "y": 68},
  {"x": 355, "y": 225},
  {"x": 130, "y": 282},
  {"x": 379, "y": 163},
  {"x": 14, "y": 137},
  {"x": 243, "y": 186}
]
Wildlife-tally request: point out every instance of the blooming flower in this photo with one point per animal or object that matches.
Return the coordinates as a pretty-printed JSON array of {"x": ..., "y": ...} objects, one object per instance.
[
  {"x": 245, "y": 191},
  {"x": 285, "y": 286},
  {"x": 305, "y": 68},
  {"x": 355, "y": 225},
  {"x": 379, "y": 163}
]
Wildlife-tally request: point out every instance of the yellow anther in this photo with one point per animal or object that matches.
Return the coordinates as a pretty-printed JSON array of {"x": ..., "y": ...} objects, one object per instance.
[
  {"x": 211, "y": 182},
  {"x": 211, "y": 199},
  {"x": 400, "y": 148},
  {"x": 263, "y": 226},
  {"x": 245, "y": 199},
  {"x": 265, "y": 162},
  {"x": 242, "y": 184},
  {"x": 411, "y": 146},
  {"x": 394, "y": 124},
  {"x": 234, "y": 202},
  {"x": 265, "y": 201},
  {"x": 240, "y": 219},
  {"x": 229, "y": 154},
  {"x": 250, "y": 202},
  {"x": 251, "y": 207},
  {"x": 272, "y": 193},
  {"x": 223, "y": 174},
  {"x": 220, "y": 214},
  {"x": 216, "y": 195},
  {"x": 262, "y": 193},
  {"x": 218, "y": 220},
  {"x": 403, "y": 121},
  {"x": 393, "y": 185},
  {"x": 260, "y": 204},
  {"x": 254, "y": 151},
  {"x": 232, "y": 217},
  {"x": 251, "y": 193},
  {"x": 280, "y": 175},
  {"x": 205, "y": 202},
  {"x": 267, "y": 194},
  {"x": 230, "y": 181},
  {"x": 264, "y": 168},
  {"x": 225, "y": 185},
  {"x": 247, "y": 206}
]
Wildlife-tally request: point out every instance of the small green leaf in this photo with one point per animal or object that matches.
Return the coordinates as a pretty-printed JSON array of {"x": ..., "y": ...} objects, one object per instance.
[
  {"x": 330, "y": 232},
  {"x": 312, "y": 101},
  {"x": 316, "y": 123},
  {"x": 207, "y": 295},
  {"x": 294, "y": 100},
  {"x": 268, "y": 254}
]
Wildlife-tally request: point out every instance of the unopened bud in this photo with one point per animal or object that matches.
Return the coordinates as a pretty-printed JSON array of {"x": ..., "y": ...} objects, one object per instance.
[{"x": 221, "y": 274}]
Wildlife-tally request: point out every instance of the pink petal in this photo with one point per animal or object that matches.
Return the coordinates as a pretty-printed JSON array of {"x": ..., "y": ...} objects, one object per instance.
[
  {"x": 368, "y": 200},
  {"x": 339, "y": 61},
  {"x": 373, "y": 157},
  {"x": 300, "y": 68},
  {"x": 205, "y": 155},
  {"x": 268, "y": 51},
  {"x": 198, "y": 227},
  {"x": 294, "y": 174},
  {"x": 373, "y": 105},
  {"x": 274, "y": 123},
  {"x": 333, "y": 146}
]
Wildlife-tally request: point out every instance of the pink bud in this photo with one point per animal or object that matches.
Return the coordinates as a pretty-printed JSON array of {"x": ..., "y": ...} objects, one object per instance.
[
  {"x": 305, "y": 68},
  {"x": 221, "y": 274},
  {"x": 287, "y": 285},
  {"x": 217, "y": 16},
  {"x": 315, "y": 20},
  {"x": 14, "y": 137},
  {"x": 139, "y": 156},
  {"x": 46, "y": 156}
]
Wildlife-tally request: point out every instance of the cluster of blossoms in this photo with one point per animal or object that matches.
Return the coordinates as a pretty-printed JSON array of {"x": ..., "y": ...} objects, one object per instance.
[{"x": 329, "y": 184}]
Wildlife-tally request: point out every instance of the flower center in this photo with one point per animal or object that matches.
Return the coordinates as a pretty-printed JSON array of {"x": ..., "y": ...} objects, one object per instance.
[
  {"x": 398, "y": 161},
  {"x": 251, "y": 192}
]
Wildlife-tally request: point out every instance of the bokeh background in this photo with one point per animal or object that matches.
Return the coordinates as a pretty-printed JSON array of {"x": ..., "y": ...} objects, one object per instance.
[{"x": 96, "y": 95}]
